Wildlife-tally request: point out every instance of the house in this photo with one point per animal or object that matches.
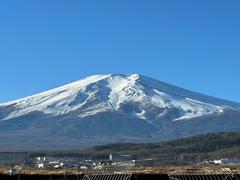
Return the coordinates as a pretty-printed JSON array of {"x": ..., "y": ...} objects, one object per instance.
[{"x": 40, "y": 165}]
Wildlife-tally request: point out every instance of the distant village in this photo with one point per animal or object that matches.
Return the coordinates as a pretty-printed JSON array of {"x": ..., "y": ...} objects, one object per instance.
[
  {"x": 68, "y": 162},
  {"x": 85, "y": 164}
]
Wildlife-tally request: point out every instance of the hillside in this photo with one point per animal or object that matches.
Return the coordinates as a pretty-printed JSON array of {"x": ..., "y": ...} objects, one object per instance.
[
  {"x": 109, "y": 109},
  {"x": 180, "y": 151}
]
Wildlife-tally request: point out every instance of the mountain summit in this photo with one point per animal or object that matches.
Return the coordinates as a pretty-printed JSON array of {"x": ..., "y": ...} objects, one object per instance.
[{"x": 110, "y": 108}]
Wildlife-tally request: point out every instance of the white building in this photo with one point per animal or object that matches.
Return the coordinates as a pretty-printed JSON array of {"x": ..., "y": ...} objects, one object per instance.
[
  {"x": 110, "y": 157},
  {"x": 217, "y": 161},
  {"x": 41, "y": 159},
  {"x": 40, "y": 165}
]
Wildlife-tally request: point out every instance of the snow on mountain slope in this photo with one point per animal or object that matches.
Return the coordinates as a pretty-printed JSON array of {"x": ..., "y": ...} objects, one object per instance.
[
  {"x": 101, "y": 93},
  {"x": 112, "y": 108},
  {"x": 55, "y": 101}
]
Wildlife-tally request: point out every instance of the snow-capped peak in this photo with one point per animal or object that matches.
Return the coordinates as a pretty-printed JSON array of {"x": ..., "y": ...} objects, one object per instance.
[{"x": 102, "y": 93}]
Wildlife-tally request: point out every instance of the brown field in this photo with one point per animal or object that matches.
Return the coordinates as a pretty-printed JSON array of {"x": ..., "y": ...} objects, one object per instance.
[{"x": 145, "y": 170}]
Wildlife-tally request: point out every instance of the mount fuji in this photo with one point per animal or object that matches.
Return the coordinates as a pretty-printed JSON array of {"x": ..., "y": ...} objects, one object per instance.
[{"x": 112, "y": 108}]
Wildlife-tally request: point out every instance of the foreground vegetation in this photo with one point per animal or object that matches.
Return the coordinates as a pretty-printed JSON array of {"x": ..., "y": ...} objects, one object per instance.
[
  {"x": 140, "y": 170},
  {"x": 185, "y": 151},
  {"x": 196, "y": 148}
]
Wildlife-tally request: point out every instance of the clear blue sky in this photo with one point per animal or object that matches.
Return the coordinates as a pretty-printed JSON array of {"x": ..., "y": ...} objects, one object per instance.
[{"x": 48, "y": 43}]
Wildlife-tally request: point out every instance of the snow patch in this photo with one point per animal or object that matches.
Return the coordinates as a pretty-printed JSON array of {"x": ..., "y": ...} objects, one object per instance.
[{"x": 107, "y": 94}]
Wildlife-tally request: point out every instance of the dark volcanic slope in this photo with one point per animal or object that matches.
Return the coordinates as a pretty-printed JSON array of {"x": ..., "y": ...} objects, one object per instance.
[{"x": 105, "y": 109}]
